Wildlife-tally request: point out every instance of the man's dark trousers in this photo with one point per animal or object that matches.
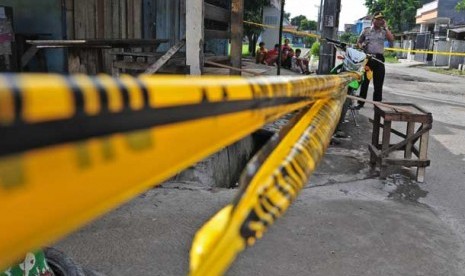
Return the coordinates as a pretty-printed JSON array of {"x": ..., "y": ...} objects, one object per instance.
[{"x": 378, "y": 79}]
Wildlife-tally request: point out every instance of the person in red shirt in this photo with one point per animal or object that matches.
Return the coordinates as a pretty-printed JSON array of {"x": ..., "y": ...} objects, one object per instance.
[
  {"x": 286, "y": 45},
  {"x": 272, "y": 55}
]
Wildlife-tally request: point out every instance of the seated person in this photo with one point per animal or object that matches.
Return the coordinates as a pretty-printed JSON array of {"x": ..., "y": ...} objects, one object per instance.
[
  {"x": 286, "y": 58},
  {"x": 272, "y": 56},
  {"x": 300, "y": 64},
  {"x": 286, "y": 44},
  {"x": 260, "y": 54}
]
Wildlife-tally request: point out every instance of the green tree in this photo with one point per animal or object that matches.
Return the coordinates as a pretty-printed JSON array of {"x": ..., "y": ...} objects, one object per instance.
[
  {"x": 307, "y": 25},
  {"x": 287, "y": 16},
  {"x": 400, "y": 14},
  {"x": 374, "y": 5},
  {"x": 460, "y": 6},
  {"x": 253, "y": 12},
  {"x": 295, "y": 21},
  {"x": 303, "y": 24}
]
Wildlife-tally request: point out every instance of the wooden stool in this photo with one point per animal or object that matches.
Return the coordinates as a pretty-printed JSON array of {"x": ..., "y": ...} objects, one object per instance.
[{"x": 379, "y": 153}]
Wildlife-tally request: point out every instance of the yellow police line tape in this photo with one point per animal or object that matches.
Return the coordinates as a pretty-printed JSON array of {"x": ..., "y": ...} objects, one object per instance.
[
  {"x": 425, "y": 52},
  {"x": 270, "y": 182},
  {"x": 388, "y": 49},
  {"x": 73, "y": 148},
  {"x": 284, "y": 29}
]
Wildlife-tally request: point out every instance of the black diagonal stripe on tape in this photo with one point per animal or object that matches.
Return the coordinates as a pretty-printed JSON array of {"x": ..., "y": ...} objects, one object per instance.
[
  {"x": 224, "y": 89},
  {"x": 102, "y": 94},
  {"x": 204, "y": 95},
  {"x": 123, "y": 89},
  {"x": 78, "y": 95},
  {"x": 17, "y": 97},
  {"x": 144, "y": 90},
  {"x": 17, "y": 138}
]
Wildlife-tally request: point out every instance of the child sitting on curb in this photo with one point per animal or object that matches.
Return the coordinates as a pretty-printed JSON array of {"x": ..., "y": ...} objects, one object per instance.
[
  {"x": 300, "y": 64},
  {"x": 260, "y": 55}
]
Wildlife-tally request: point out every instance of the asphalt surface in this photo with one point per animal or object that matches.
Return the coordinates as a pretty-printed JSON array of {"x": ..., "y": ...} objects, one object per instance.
[
  {"x": 346, "y": 221},
  {"x": 444, "y": 97}
]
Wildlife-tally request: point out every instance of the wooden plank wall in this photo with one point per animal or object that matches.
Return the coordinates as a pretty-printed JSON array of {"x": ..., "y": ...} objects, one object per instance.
[
  {"x": 103, "y": 19},
  {"x": 169, "y": 22},
  {"x": 148, "y": 15},
  {"x": 217, "y": 27}
]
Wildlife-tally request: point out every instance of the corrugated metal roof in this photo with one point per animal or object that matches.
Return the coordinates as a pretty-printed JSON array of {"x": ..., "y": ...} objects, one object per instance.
[{"x": 458, "y": 30}]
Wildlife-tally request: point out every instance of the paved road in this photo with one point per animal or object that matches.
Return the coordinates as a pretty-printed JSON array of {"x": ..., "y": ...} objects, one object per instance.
[
  {"x": 345, "y": 222},
  {"x": 444, "y": 96}
]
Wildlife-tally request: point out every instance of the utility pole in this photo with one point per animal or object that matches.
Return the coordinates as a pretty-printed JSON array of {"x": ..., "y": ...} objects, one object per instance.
[
  {"x": 281, "y": 19},
  {"x": 329, "y": 23},
  {"x": 318, "y": 7},
  {"x": 237, "y": 32}
]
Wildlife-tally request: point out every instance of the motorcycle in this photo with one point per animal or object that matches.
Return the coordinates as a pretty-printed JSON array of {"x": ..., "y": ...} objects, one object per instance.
[{"x": 352, "y": 60}]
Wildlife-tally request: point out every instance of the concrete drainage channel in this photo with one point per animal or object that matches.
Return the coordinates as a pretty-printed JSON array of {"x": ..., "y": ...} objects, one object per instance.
[{"x": 223, "y": 169}]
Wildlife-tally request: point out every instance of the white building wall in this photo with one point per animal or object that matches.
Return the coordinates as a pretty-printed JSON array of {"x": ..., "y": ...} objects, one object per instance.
[
  {"x": 194, "y": 36},
  {"x": 441, "y": 46},
  {"x": 270, "y": 36},
  {"x": 457, "y": 46}
]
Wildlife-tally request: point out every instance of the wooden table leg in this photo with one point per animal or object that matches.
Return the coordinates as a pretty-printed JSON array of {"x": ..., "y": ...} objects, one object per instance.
[
  {"x": 423, "y": 156},
  {"x": 384, "y": 146},
  {"x": 375, "y": 136},
  {"x": 408, "y": 147}
]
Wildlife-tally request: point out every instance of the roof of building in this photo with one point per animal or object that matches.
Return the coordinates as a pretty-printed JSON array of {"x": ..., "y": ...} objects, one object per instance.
[{"x": 458, "y": 29}]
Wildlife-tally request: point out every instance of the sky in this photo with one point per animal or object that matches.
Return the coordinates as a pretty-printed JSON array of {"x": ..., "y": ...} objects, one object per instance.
[{"x": 351, "y": 10}]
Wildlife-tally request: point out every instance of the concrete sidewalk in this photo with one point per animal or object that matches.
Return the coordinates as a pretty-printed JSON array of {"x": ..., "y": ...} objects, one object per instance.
[{"x": 345, "y": 222}]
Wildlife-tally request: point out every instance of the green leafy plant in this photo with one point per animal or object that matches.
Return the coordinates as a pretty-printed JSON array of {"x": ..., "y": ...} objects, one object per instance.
[
  {"x": 315, "y": 50},
  {"x": 460, "y": 6}
]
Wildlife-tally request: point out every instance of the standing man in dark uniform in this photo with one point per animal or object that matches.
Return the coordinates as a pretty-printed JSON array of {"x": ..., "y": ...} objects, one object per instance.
[{"x": 372, "y": 41}]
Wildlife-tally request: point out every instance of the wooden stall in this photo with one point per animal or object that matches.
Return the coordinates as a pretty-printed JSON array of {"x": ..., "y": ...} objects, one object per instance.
[{"x": 409, "y": 114}]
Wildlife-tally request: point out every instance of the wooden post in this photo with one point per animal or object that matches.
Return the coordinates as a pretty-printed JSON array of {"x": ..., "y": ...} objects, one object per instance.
[
  {"x": 329, "y": 21},
  {"x": 385, "y": 145},
  {"x": 69, "y": 19},
  {"x": 375, "y": 135},
  {"x": 423, "y": 155},
  {"x": 194, "y": 36},
  {"x": 100, "y": 19},
  {"x": 280, "y": 38},
  {"x": 408, "y": 148},
  {"x": 237, "y": 32}
]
